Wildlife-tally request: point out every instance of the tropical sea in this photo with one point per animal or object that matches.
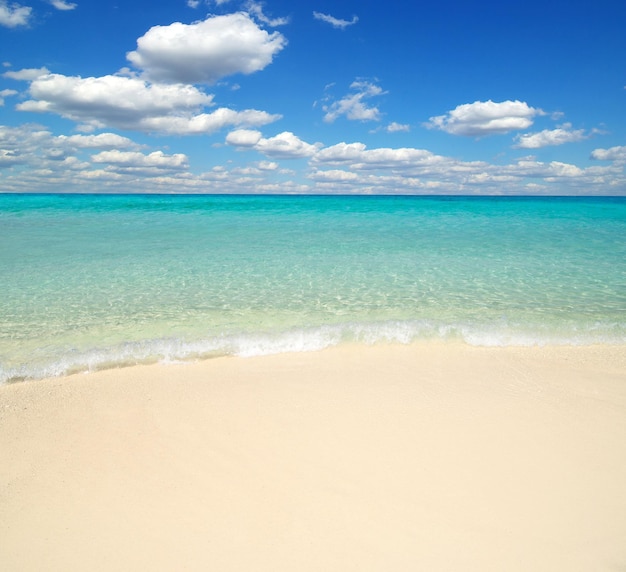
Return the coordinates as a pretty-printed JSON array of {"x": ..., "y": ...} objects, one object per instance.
[{"x": 99, "y": 281}]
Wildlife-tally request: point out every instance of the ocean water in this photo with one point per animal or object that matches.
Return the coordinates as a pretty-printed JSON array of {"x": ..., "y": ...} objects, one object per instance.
[{"x": 95, "y": 281}]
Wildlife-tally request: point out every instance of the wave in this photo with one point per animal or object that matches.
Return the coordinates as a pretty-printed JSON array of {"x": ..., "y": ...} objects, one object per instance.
[{"x": 174, "y": 350}]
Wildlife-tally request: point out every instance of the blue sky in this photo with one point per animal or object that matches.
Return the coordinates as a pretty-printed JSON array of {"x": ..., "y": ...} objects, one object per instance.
[{"x": 313, "y": 96}]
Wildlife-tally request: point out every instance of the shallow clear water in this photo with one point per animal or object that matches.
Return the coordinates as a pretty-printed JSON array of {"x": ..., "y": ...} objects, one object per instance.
[{"x": 97, "y": 281}]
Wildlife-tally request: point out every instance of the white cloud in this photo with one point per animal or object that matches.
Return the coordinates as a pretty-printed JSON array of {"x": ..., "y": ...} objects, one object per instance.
[
  {"x": 267, "y": 165},
  {"x": 135, "y": 159},
  {"x": 335, "y": 22},
  {"x": 617, "y": 154},
  {"x": 132, "y": 103},
  {"x": 36, "y": 146},
  {"x": 560, "y": 169},
  {"x": 9, "y": 158},
  {"x": 357, "y": 156},
  {"x": 100, "y": 141},
  {"x": 110, "y": 98},
  {"x": 548, "y": 137},
  {"x": 110, "y": 162},
  {"x": 394, "y": 127},
  {"x": 333, "y": 175},
  {"x": 62, "y": 5},
  {"x": 206, "y": 123},
  {"x": 285, "y": 145},
  {"x": 6, "y": 93},
  {"x": 256, "y": 9},
  {"x": 24, "y": 139},
  {"x": 485, "y": 118},
  {"x": 340, "y": 153},
  {"x": 27, "y": 74},
  {"x": 193, "y": 3},
  {"x": 205, "y": 51},
  {"x": 13, "y": 15},
  {"x": 353, "y": 105},
  {"x": 243, "y": 138},
  {"x": 410, "y": 170}
]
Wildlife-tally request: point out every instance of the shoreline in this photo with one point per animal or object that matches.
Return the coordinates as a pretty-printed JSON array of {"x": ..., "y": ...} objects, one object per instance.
[
  {"x": 272, "y": 347},
  {"x": 439, "y": 456}
]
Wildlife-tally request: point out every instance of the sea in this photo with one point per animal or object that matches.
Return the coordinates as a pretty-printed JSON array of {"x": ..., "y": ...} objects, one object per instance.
[{"x": 90, "y": 282}]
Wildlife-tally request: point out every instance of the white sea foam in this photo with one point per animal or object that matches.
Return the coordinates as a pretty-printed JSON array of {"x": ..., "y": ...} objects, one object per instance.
[{"x": 168, "y": 351}]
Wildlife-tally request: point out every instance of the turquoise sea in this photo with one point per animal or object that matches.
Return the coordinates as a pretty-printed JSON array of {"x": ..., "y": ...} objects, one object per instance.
[{"x": 96, "y": 281}]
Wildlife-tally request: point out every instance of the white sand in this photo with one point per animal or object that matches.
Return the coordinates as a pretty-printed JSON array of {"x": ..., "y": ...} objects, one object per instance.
[{"x": 389, "y": 458}]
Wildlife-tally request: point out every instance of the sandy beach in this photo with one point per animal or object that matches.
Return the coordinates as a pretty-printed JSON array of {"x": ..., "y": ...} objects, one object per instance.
[{"x": 420, "y": 457}]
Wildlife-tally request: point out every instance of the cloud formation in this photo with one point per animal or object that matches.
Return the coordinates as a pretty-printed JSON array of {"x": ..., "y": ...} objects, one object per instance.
[
  {"x": 14, "y": 15},
  {"x": 483, "y": 118},
  {"x": 134, "y": 161},
  {"x": 6, "y": 93},
  {"x": 548, "y": 137},
  {"x": 100, "y": 141},
  {"x": 162, "y": 95},
  {"x": 134, "y": 104},
  {"x": 394, "y": 127},
  {"x": 256, "y": 9},
  {"x": 206, "y": 51},
  {"x": 285, "y": 145},
  {"x": 62, "y": 5},
  {"x": 335, "y": 22},
  {"x": 617, "y": 154},
  {"x": 109, "y": 161},
  {"x": 28, "y": 74},
  {"x": 353, "y": 105},
  {"x": 357, "y": 156}
]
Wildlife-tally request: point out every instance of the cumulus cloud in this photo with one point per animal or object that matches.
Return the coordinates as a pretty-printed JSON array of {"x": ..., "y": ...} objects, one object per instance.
[
  {"x": 110, "y": 98},
  {"x": 485, "y": 118},
  {"x": 62, "y": 5},
  {"x": 617, "y": 154},
  {"x": 341, "y": 153},
  {"x": 267, "y": 165},
  {"x": 354, "y": 105},
  {"x": 137, "y": 160},
  {"x": 394, "y": 127},
  {"x": 285, "y": 145},
  {"x": 357, "y": 156},
  {"x": 205, "y": 51},
  {"x": 410, "y": 170},
  {"x": 27, "y": 74},
  {"x": 548, "y": 137},
  {"x": 36, "y": 146},
  {"x": 14, "y": 15},
  {"x": 6, "y": 93},
  {"x": 333, "y": 175},
  {"x": 244, "y": 137},
  {"x": 108, "y": 161},
  {"x": 9, "y": 158},
  {"x": 24, "y": 138},
  {"x": 206, "y": 123},
  {"x": 335, "y": 22},
  {"x": 100, "y": 141},
  {"x": 82, "y": 163},
  {"x": 132, "y": 103}
]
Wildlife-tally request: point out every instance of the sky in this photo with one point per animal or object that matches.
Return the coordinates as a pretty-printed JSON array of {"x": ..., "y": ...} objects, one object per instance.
[{"x": 358, "y": 96}]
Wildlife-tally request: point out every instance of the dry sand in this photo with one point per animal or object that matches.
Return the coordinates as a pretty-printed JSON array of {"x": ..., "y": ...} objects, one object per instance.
[{"x": 388, "y": 458}]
